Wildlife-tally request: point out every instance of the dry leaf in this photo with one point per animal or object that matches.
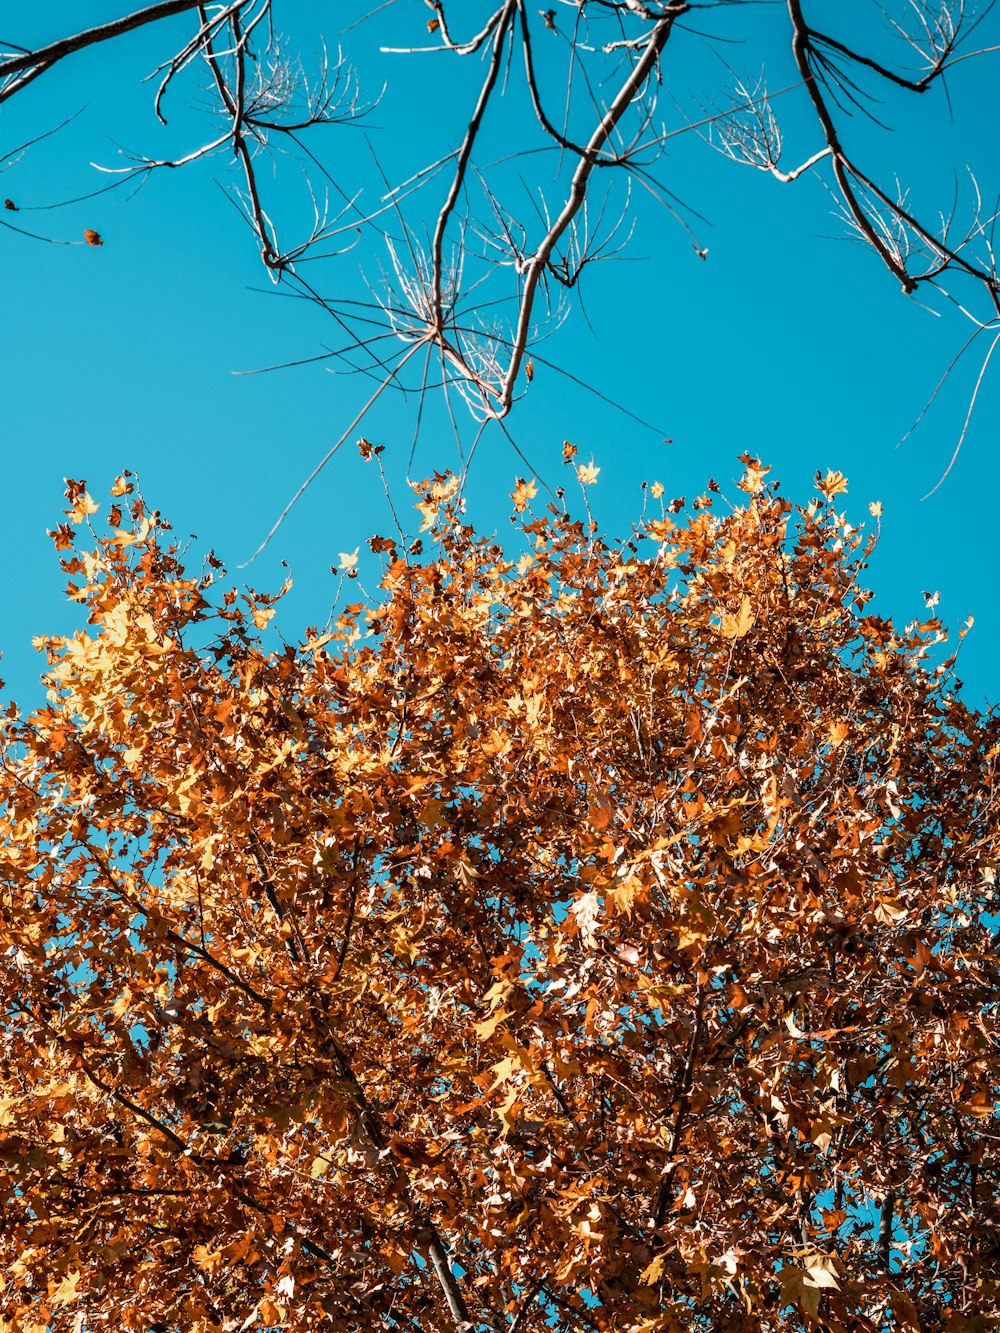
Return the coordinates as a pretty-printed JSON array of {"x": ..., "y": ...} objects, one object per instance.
[
  {"x": 834, "y": 483},
  {"x": 523, "y": 493},
  {"x": 521, "y": 910},
  {"x": 738, "y": 625}
]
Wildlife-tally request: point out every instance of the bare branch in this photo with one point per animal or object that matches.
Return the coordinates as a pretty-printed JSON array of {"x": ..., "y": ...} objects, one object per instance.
[
  {"x": 55, "y": 51},
  {"x": 641, "y": 72},
  {"x": 499, "y": 258}
]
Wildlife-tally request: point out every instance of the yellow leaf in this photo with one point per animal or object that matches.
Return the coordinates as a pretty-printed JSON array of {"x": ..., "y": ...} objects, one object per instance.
[
  {"x": 587, "y": 911},
  {"x": 314, "y": 645},
  {"x": 430, "y": 513},
  {"x": 740, "y": 624},
  {"x": 659, "y": 529},
  {"x": 348, "y": 559},
  {"x": 488, "y": 1026},
  {"x": 522, "y": 493},
  {"x": 652, "y": 1273},
  {"x": 875, "y": 509},
  {"x": 506, "y": 1113},
  {"x": 587, "y": 474},
  {"x": 752, "y": 480},
  {"x": 816, "y": 1276},
  {"x": 66, "y": 1292},
  {"x": 623, "y": 894},
  {"x": 207, "y": 1260},
  {"x": 837, "y": 733},
  {"x": 83, "y": 506},
  {"x": 503, "y": 1070},
  {"x": 834, "y": 483}
]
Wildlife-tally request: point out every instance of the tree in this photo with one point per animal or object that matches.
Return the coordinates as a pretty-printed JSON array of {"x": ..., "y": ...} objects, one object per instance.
[
  {"x": 598, "y": 940},
  {"x": 473, "y": 261}
]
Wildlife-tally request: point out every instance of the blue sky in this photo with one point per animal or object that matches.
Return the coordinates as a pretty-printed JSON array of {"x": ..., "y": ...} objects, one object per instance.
[{"x": 788, "y": 340}]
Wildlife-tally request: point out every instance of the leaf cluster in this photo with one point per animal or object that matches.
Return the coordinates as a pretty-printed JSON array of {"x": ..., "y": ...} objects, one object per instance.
[{"x": 598, "y": 940}]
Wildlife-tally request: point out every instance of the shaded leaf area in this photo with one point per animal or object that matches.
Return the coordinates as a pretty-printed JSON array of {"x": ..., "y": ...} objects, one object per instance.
[{"x": 595, "y": 940}]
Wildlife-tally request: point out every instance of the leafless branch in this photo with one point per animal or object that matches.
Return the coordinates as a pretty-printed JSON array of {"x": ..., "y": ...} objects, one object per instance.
[{"x": 476, "y": 262}]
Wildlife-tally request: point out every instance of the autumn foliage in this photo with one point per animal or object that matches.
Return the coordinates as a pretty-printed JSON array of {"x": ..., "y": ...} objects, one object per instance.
[{"x": 599, "y": 939}]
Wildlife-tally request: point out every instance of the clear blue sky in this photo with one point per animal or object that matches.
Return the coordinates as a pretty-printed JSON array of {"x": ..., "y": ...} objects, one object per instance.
[{"x": 788, "y": 341}]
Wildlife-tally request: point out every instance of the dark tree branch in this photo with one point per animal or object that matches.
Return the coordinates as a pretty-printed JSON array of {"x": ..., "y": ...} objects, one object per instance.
[
  {"x": 55, "y": 51},
  {"x": 430, "y": 294}
]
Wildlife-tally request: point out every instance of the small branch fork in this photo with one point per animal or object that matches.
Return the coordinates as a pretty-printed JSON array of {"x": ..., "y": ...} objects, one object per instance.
[
  {"x": 884, "y": 222},
  {"x": 261, "y": 96}
]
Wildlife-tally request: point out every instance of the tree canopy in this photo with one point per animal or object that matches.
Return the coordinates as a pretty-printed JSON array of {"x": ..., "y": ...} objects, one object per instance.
[{"x": 596, "y": 939}]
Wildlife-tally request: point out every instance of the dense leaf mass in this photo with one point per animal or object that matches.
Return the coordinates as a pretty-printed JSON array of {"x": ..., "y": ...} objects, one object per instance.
[{"x": 598, "y": 940}]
